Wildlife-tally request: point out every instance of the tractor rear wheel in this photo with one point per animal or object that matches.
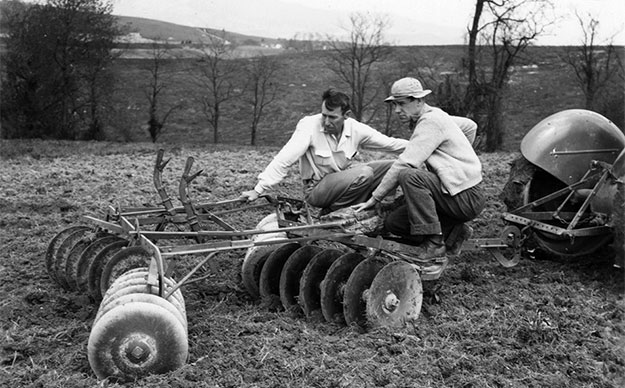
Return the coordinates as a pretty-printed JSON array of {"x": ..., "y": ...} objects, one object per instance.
[
  {"x": 528, "y": 183},
  {"x": 618, "y": 224}
]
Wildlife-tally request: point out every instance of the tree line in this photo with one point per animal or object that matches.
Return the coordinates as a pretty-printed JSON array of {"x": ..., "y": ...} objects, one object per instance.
[{"x": 58, "y": 78}]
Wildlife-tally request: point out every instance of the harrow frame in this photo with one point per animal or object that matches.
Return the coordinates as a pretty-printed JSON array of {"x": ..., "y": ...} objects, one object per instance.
[{"x": 393, "y": 293}]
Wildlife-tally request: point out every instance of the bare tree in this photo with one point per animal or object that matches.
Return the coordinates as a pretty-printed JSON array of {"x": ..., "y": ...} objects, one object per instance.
[
  {"x": 505, "y": 28},
  {"x": 595, "y": 65},
  {"x": 217, "y": 73},
  {"x": 261, "y": 89},
  {"x": 158, "y": 82},
  {"x": 56, "y": 64},
  {"x": 354, "y": 60}
]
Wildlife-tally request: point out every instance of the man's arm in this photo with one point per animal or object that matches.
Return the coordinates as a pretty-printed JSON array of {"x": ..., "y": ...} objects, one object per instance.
[
  {"x": 375, "y": 140},
  {"x": 468, "y": 127},
  {"x": 425, "y": 140},
  {"x": 277, "y": 169}
]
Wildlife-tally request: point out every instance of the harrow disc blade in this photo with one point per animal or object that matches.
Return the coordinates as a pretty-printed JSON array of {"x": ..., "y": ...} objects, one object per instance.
[
  {"x": 87, "y": 258},
  {"x": 124, "y": 260},
  {"x": 71, "y": 264},
  {"x": 141, "y": 287},
  {"x": 135, "y": 274},
  {"x": 126, "y": 299},
  {"x": 53, "y": 247},
  {"x": 256, "y": 256},
  {"x": 291, "y": 274},
  {"x": 395, "y": 295},
  {"x": 354, "y": 297},
  {"x": 100, "y": 260},
  {"x": 310, "y": 282},
  {"x": 252, "y": 267},
  {"x": 269, "y": 281},
  {"x": 139, "y": 277},
  {"x": 333, "y": 286},
  {"x": 135, "y": 340},
  {"x": 62, "y": 255}
]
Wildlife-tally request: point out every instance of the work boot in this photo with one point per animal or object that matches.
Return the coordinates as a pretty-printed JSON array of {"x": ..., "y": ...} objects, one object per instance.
[
  {"x": 458, "y": 235},
  {"x": 433, "y": 247}
]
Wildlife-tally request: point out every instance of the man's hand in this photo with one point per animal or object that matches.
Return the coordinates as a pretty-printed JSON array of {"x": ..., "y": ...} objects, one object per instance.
[
  {"x": 365, "y": 205},
  {"x": 251, "y": 195}
]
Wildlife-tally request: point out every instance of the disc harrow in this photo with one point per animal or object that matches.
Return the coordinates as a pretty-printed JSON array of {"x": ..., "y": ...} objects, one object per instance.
[{"x": 338, "y": 269}]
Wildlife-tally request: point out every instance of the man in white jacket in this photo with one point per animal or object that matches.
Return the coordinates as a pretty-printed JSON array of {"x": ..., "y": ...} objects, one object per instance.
[{"x": 325, "y": 145}]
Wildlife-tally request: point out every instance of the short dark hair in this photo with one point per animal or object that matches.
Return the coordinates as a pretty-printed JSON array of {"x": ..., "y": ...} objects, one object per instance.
[{"x": 335, "y": 99}]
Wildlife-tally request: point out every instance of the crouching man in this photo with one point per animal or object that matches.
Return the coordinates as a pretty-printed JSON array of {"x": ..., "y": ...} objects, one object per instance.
[
  {"x": 325, "y": 145},
  {"x": 438, "y": 172}
]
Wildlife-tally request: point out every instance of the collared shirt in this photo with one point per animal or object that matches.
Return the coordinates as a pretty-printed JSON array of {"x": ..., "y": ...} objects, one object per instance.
[
  {"x": 438, "y": 143},
  {"x": 320, "y": 153}
]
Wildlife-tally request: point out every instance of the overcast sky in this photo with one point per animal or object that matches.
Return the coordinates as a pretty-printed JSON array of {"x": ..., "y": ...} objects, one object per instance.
[{"x": 413, "y": 22}]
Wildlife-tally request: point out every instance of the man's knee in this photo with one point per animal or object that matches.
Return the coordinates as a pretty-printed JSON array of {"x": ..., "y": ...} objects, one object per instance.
[
  {"x": 364, "y": 176},
  {"x": 413, "y": 176}
]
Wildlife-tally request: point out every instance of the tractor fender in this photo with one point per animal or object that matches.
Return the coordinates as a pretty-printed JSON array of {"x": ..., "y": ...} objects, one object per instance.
[{"x": 565, "y": 143}]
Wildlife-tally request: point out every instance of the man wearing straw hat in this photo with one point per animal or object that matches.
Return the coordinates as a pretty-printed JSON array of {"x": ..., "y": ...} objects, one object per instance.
[{"x": 438, "y": 172}]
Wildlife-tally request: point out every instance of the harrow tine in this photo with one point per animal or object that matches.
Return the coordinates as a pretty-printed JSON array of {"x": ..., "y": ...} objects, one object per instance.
[
  {"x": 186, "y": 201},
  {"x": 158, "y": 182},
  {"x": 160, "y": 165}
]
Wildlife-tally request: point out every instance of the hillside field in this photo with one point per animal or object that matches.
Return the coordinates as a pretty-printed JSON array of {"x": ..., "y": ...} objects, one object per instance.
[
  {"x": 541, "y": 84},
  {"x": 546, "y": 322}
]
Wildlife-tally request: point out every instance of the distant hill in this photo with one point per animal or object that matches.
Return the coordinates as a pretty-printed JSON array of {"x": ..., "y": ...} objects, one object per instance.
[{"x": 160, "y": 30}]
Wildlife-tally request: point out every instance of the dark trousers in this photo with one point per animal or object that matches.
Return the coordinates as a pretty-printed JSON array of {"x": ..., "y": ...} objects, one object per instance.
[
  {"x": 348, "y": 187},
  {"x": 427, "y": 209}
]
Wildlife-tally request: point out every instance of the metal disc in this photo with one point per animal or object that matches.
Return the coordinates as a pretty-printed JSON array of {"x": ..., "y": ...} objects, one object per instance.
[
  {"x": 252, "y": 267},
  {"x": 136, "y": 340},
  {"x": 269, "y": 281},
  {"x": 54, "y": 245},
  {"x": 310, "y": 282},
  {"x": 124, "y": 260},
  {"x": 333, "y": 286},
  {"x": 71, "y": 264},
  {"x": 133, "y": 277},
  {"x": 395, "y": 296},
  {"x": 354, "y": 301},
  {"x": 95, "y": 269},
  {"x": 141, "y": 297},
  {"x": 87, "y": 258},
  {"x": 291, "y": 274},
  {"x": 138, "y": 276},
  {"x": 139, "y": 287},
  {"x": 131, "y": 280},
  {"x": 63, "y": 253}
]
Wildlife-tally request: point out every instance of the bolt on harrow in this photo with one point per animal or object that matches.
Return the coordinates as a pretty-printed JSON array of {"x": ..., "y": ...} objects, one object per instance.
[{"x": 335, "y": 268}]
